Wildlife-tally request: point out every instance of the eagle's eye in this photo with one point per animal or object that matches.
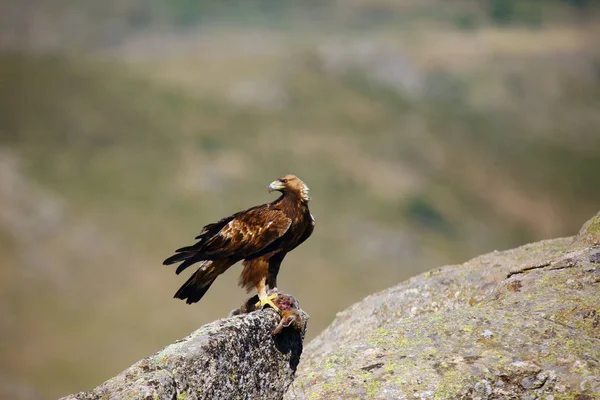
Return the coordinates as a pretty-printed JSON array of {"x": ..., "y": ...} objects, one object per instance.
[{"x": 283, "y": 180}]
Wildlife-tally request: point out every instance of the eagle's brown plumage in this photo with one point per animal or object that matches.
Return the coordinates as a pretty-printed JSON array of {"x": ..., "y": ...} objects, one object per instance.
[{"x": 261, "y": 236}]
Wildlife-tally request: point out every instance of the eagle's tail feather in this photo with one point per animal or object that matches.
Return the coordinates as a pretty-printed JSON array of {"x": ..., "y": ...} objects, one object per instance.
[
  {"x": 186, "y": 249},
  {"x": 188, "y": 259},
  {"x": 176, "y": 258},
  {"x": 198, "y": 284}
]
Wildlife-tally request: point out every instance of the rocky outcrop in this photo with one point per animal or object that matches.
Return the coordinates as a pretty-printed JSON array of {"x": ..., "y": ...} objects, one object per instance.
[
  {"x": 517, "y": 324},
  {"x": 233, "y": 358}
]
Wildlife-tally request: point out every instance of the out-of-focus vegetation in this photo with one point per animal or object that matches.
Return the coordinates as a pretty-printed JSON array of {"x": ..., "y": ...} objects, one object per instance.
[{"x": 428, "y": 131}]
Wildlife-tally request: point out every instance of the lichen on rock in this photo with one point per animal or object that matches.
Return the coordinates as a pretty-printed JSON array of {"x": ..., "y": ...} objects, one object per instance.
[
  {"x": 522, "y": 323},
  {"x": 590, "y": 232}
]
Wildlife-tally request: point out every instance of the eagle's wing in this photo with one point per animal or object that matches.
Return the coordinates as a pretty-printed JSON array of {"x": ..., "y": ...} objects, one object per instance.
[
  {"x": 238, "y": 236},
  {"x": 247, "y": 233},
  {"x": 310, "y": 227}
]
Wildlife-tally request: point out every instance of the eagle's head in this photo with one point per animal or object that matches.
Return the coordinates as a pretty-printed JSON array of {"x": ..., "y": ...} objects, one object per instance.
[{"x": 291, "y": 184}]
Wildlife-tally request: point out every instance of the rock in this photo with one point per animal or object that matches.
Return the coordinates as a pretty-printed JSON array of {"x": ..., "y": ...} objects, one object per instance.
[
  {"x": 517, "y": 324},
  {"x": 235, "y": 357}
]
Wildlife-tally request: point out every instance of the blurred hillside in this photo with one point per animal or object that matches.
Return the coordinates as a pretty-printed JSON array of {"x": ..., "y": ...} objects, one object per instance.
[{"x": 428, "y": 131}]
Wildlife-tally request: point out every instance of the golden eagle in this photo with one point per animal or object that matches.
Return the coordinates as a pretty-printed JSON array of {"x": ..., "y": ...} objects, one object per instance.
[{"x": 261, "y": 236}]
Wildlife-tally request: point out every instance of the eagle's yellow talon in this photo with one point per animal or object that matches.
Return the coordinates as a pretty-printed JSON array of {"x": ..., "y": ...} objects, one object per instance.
[{"x": 262, "y": 302}]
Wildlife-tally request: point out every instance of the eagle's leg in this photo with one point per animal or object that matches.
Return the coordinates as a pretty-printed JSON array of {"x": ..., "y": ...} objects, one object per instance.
[
  {"x": 274, "y": 265},
  {"x": 263, "y": 298}
]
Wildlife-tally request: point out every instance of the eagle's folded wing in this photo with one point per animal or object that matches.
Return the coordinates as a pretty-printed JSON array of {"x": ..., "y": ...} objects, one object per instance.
[
  {"x": 238, "y": 236},
  {"x": 247, "y": 233}
]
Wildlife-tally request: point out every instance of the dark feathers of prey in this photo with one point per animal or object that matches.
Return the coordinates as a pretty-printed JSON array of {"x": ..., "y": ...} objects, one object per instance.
[{"x": 261, "y": 236}]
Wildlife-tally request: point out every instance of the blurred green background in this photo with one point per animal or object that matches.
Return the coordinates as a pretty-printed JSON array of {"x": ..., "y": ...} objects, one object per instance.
[{"x": 428, "y": 130}]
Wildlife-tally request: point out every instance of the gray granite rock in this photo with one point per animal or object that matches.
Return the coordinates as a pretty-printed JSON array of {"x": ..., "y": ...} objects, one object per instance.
[
  {"x": 517, "y": 324},
  {"x": 232, "y": 358}
]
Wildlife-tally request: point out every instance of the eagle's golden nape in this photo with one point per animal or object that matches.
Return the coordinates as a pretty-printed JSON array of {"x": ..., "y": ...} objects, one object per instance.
[{"x": 261, "y": 236}]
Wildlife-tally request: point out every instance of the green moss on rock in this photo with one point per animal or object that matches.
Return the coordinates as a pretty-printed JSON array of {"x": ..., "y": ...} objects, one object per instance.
[{"x": 533, "y": 334}]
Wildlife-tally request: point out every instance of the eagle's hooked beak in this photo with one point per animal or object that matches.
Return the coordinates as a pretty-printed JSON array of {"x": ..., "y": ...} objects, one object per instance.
[{"x": 276, "y": 185}]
